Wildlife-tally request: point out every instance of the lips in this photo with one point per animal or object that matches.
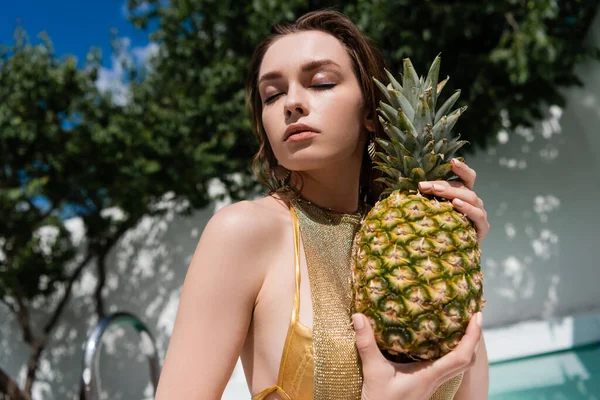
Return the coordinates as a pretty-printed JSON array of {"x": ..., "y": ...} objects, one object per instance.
[{"x": 297, "y": 128}]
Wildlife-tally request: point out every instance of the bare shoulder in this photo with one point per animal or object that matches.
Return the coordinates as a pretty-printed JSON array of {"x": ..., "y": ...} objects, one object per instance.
[
  {"x": 246, "y": 231},
  {"x": 249, "y": 222},
  {"x": 238, "y": 243}
]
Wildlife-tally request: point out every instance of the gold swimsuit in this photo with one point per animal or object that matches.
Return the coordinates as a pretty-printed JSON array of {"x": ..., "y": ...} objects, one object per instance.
[{"x": 322, "y": 363}]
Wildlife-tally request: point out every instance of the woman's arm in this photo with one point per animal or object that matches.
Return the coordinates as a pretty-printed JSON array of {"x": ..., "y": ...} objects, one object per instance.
[
  {"x": 475, "y": 381},
  {"x": 215, "y": 308}
]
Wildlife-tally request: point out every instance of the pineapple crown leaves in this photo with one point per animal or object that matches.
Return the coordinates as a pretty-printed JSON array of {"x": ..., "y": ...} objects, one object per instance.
[{"x": 421, "y": 142}]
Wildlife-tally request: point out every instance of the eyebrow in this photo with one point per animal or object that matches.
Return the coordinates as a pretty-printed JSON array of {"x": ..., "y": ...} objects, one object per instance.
[{"x": 306, "y": 67}]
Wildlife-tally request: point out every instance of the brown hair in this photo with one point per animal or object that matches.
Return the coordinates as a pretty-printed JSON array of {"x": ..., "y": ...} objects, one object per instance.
[{"x": 367, "y": 62}]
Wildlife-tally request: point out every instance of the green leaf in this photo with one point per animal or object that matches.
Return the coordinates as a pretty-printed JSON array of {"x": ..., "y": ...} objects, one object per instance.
[
  {"x": 418, "y": 174},
  {"x": 387, "y": 93},
  {"x": 404, "y": 104},
  {"x": 441, "y": 86},
  {"x": 406, "y": 124},
  {"x": 432, "y": 79},
  {"x": 388, "y": 148},
  {"x": 429, "y": 161},
  {"x": 410, "y": 81},
  {"x": 445, "y": 108},
  {"x": 439, "y": 172},
  {"x": 395, "y": 84},
  {"x": 422, "y": 115},
  {"x": 393, "y": 132},
  {"x": 389, "y": 113},
  {"x": 391, "y": 172},
  {"x": 409, "y": 163},
  {"x": 444, "y": 126}
]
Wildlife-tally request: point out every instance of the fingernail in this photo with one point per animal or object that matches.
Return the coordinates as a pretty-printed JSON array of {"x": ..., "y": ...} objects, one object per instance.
[
  {"x": 456, "y": 162},
  {"x": 425, "y": 185},
  {"x": 458, "y": 202},
  {"x": 479, "y": 317},
  {"x": 358, "y": 322},
  {"x": 438, "y": 188}
]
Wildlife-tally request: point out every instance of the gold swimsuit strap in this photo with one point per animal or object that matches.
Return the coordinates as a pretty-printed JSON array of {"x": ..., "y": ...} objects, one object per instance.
[
  {"x": 296, "y": 310},
  {"x": 278, "y": 388}
]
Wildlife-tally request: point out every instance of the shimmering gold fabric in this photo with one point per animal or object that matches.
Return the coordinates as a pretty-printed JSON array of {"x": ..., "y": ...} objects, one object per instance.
[
  {"x": 330, "y": 348},
  {"x": 448, "y": 389},
  {"x": 327, "y": 238}
]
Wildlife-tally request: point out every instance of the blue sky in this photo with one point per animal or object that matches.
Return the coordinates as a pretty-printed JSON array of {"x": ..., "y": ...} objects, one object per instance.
[{"x": 73, "y": 25}]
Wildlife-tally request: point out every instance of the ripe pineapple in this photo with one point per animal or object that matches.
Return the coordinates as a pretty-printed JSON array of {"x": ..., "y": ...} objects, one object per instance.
[{"x": 416, "y": 272}]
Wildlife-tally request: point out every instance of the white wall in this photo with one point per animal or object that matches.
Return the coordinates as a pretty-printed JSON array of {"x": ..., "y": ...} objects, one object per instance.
[{"x": 540, "y": 189}]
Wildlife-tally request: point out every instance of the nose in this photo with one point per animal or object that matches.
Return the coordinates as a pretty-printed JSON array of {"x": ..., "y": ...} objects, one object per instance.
[{"x": 296, "y": 104}]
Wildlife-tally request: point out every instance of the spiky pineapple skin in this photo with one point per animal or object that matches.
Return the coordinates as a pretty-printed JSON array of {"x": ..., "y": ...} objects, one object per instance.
[{"x": 416, "y": 274}]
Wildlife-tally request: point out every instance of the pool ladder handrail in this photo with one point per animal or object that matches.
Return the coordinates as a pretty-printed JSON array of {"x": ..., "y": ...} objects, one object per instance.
[{"x": 90, "y": 379}]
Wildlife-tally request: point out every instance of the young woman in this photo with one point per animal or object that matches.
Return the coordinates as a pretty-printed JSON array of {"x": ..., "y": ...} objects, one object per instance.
[{"x": 269, "y": 278}]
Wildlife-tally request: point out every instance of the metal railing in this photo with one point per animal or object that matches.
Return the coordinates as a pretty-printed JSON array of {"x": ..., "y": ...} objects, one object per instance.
[{"x": 90, "y": 379}]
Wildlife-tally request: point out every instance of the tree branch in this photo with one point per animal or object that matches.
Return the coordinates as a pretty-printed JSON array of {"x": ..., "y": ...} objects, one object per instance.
[
  {"x": 510, "y": 18},
  {"x": 33, "y": 362},
  {"x": 63, "y": 302},
  {"x": 100, "y": 309},
  {"x": 100, "y": 285},
  {"x": 23, "y": 317},
  {"x": 10, "y": 388},
  {"x": 39, "y": 344}
]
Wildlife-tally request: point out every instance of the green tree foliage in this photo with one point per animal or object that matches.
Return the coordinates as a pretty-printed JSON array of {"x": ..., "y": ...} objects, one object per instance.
[
  {"x": 512, "y": 55},
  {"x": 67, "y": 149}
]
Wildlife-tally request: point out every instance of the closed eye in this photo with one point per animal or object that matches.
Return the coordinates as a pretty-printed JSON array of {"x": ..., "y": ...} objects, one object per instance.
[
  {"x": 270, "y": 99},
  {"x": 322, "y": 86}
]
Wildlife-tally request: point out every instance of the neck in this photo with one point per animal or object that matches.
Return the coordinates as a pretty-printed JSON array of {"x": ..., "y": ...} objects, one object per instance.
[{"x": 335, "y": 188}]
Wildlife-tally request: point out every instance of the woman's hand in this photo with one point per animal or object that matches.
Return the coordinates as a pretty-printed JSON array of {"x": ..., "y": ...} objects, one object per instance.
[
  {"x": 462, "y": 196},
  {"x": 385, "y": 380}
]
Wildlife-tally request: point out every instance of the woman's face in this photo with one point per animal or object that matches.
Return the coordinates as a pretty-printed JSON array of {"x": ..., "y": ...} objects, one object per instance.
[{"x": 309, "y": 90}]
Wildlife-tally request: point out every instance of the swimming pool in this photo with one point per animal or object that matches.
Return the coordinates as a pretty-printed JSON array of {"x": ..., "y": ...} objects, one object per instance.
[
  {"x": 568, "y": 374},
  {"x": 557, "y": 359}
]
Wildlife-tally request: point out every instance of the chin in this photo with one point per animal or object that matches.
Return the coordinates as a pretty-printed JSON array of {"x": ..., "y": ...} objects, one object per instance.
[{"x": 312, "y": 160}]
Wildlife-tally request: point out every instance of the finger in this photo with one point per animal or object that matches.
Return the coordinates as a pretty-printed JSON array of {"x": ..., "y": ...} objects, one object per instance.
[
  {"x": 451, "y": 192},
  {"x": 365, "y": 343},
  {"x": 462, "y": 170},
  {"x": 462, "y": 356},
  {"x": 426, "y": 186},
  {"x": 475, "y": 214}
]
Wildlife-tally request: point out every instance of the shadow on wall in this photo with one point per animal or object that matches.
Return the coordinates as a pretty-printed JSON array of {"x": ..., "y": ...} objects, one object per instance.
[
  {"x": 144, "y": 276},
  {"x": 539, "y": 187},
  {"x": 538, "y": 191}
]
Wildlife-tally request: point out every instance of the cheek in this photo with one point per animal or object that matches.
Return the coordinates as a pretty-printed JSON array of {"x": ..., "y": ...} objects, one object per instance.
[
  {"x": 344, "y": 116},
  {"x": 270, "y": 125}
]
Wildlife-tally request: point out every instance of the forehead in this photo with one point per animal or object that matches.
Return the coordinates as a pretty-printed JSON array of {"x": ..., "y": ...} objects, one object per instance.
[{"x": 294, "y": 49}]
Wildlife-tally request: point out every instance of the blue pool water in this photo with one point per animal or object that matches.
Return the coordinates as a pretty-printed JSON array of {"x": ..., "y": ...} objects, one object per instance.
[{"x": 565, "y": 375}]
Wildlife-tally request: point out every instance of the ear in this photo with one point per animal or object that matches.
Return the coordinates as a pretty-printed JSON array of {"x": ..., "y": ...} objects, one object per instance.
[{"x": 369, "y": 121}]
